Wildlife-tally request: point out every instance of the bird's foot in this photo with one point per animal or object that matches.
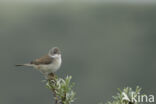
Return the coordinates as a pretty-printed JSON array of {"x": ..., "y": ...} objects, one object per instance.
[{"x": 51, "y": 76}]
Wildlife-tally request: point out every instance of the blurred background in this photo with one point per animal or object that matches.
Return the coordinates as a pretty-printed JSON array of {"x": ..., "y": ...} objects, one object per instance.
[{"x": 104, "y": 46}]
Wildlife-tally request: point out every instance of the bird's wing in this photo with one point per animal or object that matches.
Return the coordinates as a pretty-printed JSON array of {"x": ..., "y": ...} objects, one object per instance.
[{"x": 43, "y": 60}]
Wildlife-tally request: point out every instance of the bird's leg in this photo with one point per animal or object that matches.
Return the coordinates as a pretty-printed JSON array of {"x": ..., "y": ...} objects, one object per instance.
[{"x": 51, "y": 76}]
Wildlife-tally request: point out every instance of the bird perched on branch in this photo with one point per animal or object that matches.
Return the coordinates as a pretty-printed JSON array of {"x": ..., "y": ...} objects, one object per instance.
[{"x": 47, "y": 64}]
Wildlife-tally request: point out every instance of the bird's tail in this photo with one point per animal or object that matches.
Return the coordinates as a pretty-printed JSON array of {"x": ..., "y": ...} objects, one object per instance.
[{"x": 24, "y": 65}]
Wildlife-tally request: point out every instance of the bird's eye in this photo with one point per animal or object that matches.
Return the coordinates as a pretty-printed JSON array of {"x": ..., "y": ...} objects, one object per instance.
[{"x": 55, "y": 51}]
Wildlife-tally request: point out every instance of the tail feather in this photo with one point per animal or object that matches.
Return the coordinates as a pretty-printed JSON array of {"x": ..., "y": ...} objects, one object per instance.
[
  {"x": 19, "y": 64},
  {"x": 24, "y": 65}
]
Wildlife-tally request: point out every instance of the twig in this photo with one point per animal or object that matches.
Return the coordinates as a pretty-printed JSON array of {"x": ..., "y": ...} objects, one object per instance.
[{"x": 62, "y": 90}]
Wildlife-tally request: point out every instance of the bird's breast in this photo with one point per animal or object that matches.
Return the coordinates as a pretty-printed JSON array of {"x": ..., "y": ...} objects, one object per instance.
[
  {"x": 57, "y": 63},
  {"x": 52, "y": 67}
]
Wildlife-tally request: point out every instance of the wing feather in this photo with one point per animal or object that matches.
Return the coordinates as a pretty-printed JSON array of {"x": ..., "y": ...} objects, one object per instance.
[{"x": 43, "y": 60}]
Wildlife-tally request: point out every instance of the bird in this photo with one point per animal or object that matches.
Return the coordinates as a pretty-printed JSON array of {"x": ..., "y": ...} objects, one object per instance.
[{"x": 47, "y": 64}]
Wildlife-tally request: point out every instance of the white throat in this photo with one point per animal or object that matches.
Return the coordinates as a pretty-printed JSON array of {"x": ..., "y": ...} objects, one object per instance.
[{"x": 56, "y": 56}]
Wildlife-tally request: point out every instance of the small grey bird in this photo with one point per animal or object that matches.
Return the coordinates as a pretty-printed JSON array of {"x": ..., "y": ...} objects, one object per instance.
[{"x": 47, "y": 64}]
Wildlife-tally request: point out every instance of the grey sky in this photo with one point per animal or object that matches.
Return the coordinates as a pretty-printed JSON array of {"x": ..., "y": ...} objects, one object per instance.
[{"x": 130, "y": 1}]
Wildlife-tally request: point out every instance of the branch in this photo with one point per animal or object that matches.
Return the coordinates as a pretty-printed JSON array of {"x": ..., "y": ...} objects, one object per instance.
[
  {"x": 62, "y": 90},
  {"x": 125, "y": 96}
]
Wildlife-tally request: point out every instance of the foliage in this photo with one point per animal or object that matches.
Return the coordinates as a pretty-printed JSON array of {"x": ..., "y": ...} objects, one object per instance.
[
  {"x": 125, "y": 96},
  {"x": 62, "y": 90}
]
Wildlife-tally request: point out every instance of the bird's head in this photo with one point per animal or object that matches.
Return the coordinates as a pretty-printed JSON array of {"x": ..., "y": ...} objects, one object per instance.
[{"x": 54, "y": 52}]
